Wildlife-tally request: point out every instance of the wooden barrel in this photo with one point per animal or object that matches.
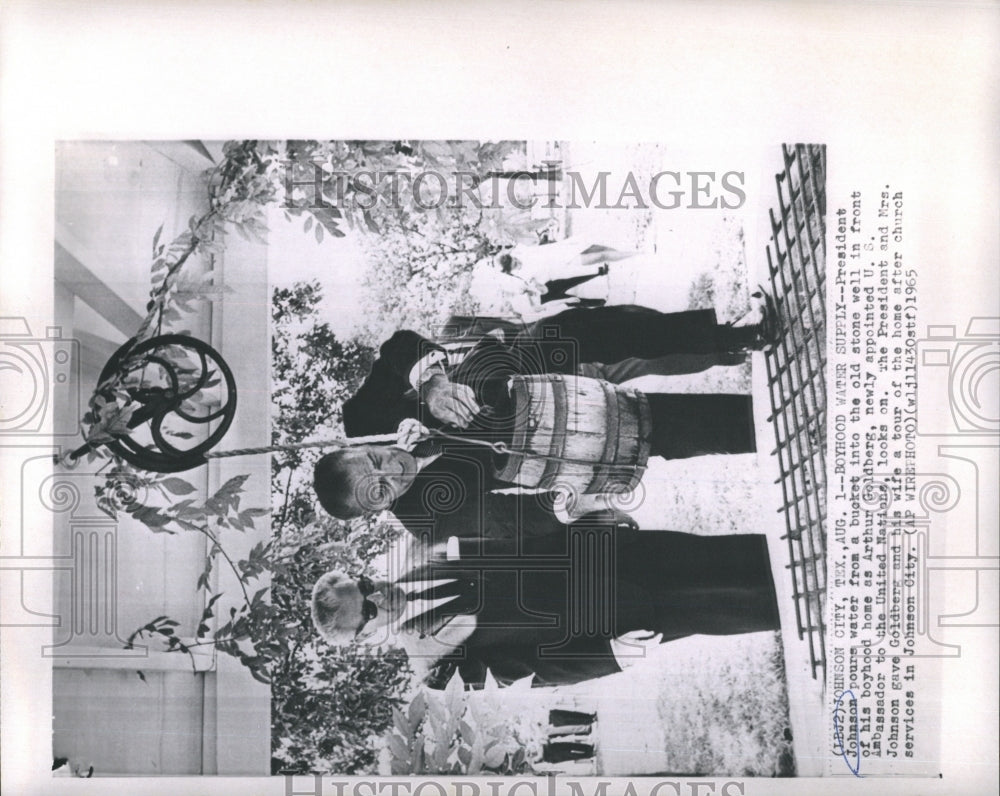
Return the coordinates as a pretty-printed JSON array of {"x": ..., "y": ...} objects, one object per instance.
[{"x": 596, "y": 434}]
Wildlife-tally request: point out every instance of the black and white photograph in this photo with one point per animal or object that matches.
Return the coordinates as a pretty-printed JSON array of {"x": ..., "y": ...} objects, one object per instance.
[
  {"x": 573, "y": 400},
  {"x": 462, "y": 457}
]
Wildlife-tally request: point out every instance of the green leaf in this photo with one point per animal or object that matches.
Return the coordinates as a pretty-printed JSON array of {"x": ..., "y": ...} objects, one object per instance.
[
  {"x": 370, "y": 222},
  {"x": 152, "y": 519},
  {"x": 494, "y": 755},
  {"x": 229, "y": 489},
  {"x": 476, "y": 761},
  {"x": 260, "y": 675},
  {"x": 399, "y": 720},
  {"x": 418, "y": 707},
  {"x": 455, "y": 698},
  {"x": 398, "y": 748},
  {"x": 178, "y": 486},
  {"x": 156, "y": 238},
  {"x": 417, "y": 764},
  {"x": 399, "y": 767},
  {"x": 435, "y": 709},
  {"x": 467, "y": 731}
]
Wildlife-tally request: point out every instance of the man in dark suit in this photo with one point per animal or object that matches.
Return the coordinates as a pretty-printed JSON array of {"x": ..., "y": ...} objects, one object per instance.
[
  {"x": 435, "y": 492},
  {"x": 445, "y": 486},
  {"x": 555, "y": 607},
  {"x": 413, "y": 377}
]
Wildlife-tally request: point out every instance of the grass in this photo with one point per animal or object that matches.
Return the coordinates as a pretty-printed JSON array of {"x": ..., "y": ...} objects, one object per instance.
[{"x": 723, "y": 707}]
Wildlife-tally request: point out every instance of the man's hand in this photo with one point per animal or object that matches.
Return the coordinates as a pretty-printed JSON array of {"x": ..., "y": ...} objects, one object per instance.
[
  {"x": 454, "y": 404},
  {"x": 409, "y": 433},
  {"x": 634, "y": 646},
  {"x": 424, "y": 651}
]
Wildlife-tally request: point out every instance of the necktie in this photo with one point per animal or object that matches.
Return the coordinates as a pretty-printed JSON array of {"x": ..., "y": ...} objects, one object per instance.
[{"x": 450, "y": 588}]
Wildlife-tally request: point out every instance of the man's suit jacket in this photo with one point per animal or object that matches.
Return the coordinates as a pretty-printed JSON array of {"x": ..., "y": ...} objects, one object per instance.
[
  {"x": 452, "y": 496},
  {"x": 386, "y": 397},
  {"x": 559, "y": 344},
  {"x": 526, "y": 621},
  {"x": 551, "y": 605}
]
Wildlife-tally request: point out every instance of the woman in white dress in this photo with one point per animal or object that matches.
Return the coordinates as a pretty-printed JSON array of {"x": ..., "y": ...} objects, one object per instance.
[{"x": 535, "y": 281}]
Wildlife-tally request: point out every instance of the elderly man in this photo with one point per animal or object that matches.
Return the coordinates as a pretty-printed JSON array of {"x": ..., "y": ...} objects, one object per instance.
[{"x": 562, "y": 608}]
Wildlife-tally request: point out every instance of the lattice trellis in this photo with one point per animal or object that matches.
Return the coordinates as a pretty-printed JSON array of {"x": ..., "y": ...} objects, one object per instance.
[{"x": 796, "y": 375}]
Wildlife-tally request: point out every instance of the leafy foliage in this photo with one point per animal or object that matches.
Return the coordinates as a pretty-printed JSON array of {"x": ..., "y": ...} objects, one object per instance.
[
  {"x": 248, "y": 632},
  {"x": 312, "y": 374},
  {"x": 371, "y": 186},
  {"x": 421, "y": 237},
  {"x": 456, "y": 731},
  {"x": 268, "y": 636},
  {"x": 239, "y": 188},
  {"x": 330, "y": 706},
  {"x": 329, "y": 715},
  {"x": 431, "y": 256},
  {"x": 419, "y": 249}
]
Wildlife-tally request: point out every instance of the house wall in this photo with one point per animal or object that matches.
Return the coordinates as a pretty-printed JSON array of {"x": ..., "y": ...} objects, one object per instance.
[{"x": 110, "y": 199}]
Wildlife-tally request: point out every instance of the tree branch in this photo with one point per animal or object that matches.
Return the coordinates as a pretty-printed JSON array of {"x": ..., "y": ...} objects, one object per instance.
[
  {"x": 232, "y": 566},
  {"x": 283, "y": 514}
]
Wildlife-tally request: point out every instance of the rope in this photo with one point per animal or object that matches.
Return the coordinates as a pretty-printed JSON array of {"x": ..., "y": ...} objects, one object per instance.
[
  {"x": 326, "y": 443},
  {"x": 503, "y": 449},
  {"x": 497, "y": 447}
]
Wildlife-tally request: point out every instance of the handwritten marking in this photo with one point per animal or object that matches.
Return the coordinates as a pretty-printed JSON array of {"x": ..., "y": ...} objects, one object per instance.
[{"x": 856, "y": 766}]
